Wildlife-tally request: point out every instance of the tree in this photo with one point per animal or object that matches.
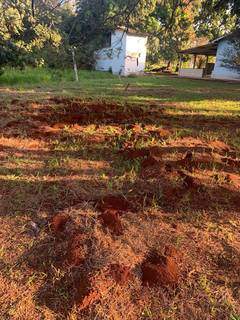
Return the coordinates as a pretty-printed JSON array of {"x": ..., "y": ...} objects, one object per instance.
[
  {"x": 174, "y": 28},
  {"x": 220, "y": 17},
  {"x": 24, "y": 35},
  {"x": 97, "y": 18},
  {"x": 217, "y": 18}
]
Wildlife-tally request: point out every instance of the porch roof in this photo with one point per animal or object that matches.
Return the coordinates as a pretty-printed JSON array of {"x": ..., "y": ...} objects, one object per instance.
[{"x": 209, "y": 49}]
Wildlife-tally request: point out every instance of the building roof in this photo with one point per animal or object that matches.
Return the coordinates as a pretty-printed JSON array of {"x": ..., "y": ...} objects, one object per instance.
[
  {"x": 132, "y": 32},
  {"x": 210, "y": 49}
]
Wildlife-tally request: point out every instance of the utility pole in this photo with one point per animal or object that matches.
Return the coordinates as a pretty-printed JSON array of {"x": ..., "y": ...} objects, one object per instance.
[{"x": 75, "y": 64}]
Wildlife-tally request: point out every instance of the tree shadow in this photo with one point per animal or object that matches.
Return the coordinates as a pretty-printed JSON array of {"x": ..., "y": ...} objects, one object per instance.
[{"x": 30, "y": 192}]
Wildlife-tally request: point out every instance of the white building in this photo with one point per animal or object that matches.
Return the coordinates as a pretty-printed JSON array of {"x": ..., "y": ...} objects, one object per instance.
[
  {"x": 224, "y": 50},
  {"x": 125, "y": 55}
]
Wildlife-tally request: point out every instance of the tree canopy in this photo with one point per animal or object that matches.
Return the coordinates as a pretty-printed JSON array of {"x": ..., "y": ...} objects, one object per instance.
[{"x": 41, "y": 32}]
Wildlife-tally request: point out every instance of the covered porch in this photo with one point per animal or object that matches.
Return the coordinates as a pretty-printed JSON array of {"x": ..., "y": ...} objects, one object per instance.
[{"x": 207, "y": 50}]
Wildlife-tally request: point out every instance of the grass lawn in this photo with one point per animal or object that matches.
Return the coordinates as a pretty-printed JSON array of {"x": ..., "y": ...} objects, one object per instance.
[{"x": 119, "y": 197}]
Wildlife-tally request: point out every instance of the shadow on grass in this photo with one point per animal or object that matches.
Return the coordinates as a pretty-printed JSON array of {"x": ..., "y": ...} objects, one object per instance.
[{"x": 51, "y": 190}]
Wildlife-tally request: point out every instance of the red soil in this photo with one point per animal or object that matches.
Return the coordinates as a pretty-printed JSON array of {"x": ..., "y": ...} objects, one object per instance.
[
  {"x": 120, "y": 273},
  {"x": 96, "y": 139},
  {"x": 160, "y": 133},
  {"x": 231, "y": 162},
  {"x": 219, "y": 145},
  {"x": 89, "y": 299},
  {"x": 76, "y": 256},
  {"x": 187, "y": 158},
  {"x": 84, "y": 295},
  {"x": 160, "y": 270},
  {"x": 46, "y": 130},
  {"x": 58, "y": 222},
  {"x": 172, "y": 251},
  {"x": 110, "y": 219},
  {"x": 59, "y": 126},
  {"x": 234, "y": 179},
  {"x": 135, "y": 153},
  {"x": 189, "y": 182},
  {"x": 136, "y": 128},
  {"x": 114, "y": 202},
  {"x": 149, "y": 161}
]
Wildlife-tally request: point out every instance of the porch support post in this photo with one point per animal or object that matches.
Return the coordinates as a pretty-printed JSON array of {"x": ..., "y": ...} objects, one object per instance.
[
  {"x": 180, "y": 62},
  {"x": 207, "y": 60},
  {"x": 194, "y": 62}
]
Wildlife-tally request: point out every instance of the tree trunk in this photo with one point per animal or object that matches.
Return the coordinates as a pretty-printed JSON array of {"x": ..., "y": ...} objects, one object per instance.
[{"x": 75, "y": 65}]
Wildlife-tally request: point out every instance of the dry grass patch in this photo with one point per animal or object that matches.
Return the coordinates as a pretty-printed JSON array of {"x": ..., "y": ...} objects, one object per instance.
[{"x": 116, "y": 211}]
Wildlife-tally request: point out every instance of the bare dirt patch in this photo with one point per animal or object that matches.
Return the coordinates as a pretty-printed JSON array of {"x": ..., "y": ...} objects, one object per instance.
[
  {"x": 160, "y": 270},
  {"x": 110, "y": 218},
  {"x": 131, "y": 217},
  {"x": 58, "y": 222},
  {"x": 117, "y": 203},
  {"x": 75, "y": 250},
  {"x": 120, "y": 273}
]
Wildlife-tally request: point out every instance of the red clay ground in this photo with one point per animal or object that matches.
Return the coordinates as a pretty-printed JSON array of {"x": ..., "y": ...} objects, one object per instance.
[{"x": 108, "y": 212}]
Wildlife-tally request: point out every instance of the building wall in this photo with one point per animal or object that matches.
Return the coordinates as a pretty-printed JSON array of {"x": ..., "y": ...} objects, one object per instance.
[
  {"x": 112, "y": 58},
  {"x": 119, "y": 39},
  {"x": 136, "y": 52},
  {"x": 126, "y": 55},
  {"x": 191, "y": 73},
  {"x": 225, "y": 48}
]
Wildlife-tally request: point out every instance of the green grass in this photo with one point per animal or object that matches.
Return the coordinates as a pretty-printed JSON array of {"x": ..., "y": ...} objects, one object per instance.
[
  {"x": 42, "y": 174},
  {"x": 199, "y": 93},
  {"x": 193, "y": 101},
  {"x": 40, "y": 76}
]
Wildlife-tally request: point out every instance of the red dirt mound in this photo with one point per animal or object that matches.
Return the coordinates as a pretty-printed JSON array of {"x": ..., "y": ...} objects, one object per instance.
[
  {"x": 84, "y": 295},
  {"x": 231, "y": 162},
  {"x": 46, "y": 130},
  {"x": 114, "y": 202},
  {"x": 187, "y": 158},
  {"x": 233, "y": 179},
  {"x": 58, "y": 222},
  {"x": 75, "y": 255},
  {"x": 135, "y": 153},
  {"x": 160, "y": 133},
  {"x": 136, "y": 128},
  {"x": 160, "y": 270},
  {"x": 120, "y": 273},
  {"x": 88, "y": 300},
  {"x": 110, "y": 219},
  {"x": 188, "y": 181},
  {"x": 219, "y": 145},
  {"x": 172, "y": 252},
  {"x": 59, "y": 126},
  {"x": 149, "y": 162}
]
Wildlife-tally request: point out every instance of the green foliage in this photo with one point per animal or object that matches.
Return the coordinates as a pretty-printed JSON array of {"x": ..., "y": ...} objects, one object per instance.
[
  {"x": 22, "y": 36},
  {"x": 96, "y": 18},
  {"x": 216, "y": 18},
  {"x": 44, "y": 36},
  {"x": 174, "y": 21}
]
